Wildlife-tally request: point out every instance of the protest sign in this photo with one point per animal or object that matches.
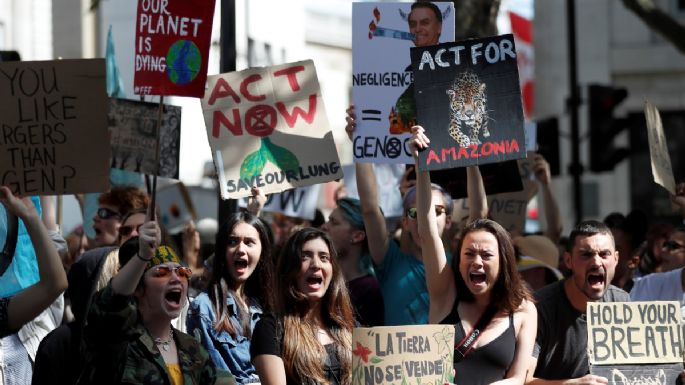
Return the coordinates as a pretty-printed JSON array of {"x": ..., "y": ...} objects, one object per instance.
[
  {"x": 497, "y": 178},
  {"x": 267, "y": 128},
  {"x": 133, "y": 127},
  {"x": 382, "y": 81},
  {"x": 298, "y": 202},
  {"x": 635, "y": 343},
  {"x": 53, "y": 117},
  {"x": 658, "y": 149},
  {"x": 172, "y": 47},
  {"x": 469, "y": 101},
  {"x": 175, "y": 207},
  {"x": 416, "y": 354}
]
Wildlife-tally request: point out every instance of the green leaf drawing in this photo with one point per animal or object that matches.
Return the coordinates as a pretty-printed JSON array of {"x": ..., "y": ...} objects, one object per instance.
[
  {"x": 253, "y": 164},
  {"x": 375, "y": 360},
  {"x": 280, "y": 156}
]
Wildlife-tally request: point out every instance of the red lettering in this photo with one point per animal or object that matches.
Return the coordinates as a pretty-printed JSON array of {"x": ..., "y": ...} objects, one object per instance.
[
  {"x": 449, "y": 151},
  {"x": 513, "y": 146},
  {"x": 474, "y": 150},
  {"x": 432, "y": 157},
  {"x": 292, "y": 77},
  {"x": 260, "y": 120},
  {"x": 221, "y": 119},
  {"x": 462, "y": 152},
  {"x": 486, "y": 149},
  {"x": 500, "y": 147},
  {"x": 221, "y": 90},
  {"x": 291, "y": 119},
  {"x": 246, "y": 93}
]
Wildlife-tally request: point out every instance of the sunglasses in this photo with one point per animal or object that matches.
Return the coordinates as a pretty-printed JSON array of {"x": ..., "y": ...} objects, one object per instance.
[
  {"x": 439, "y": 210},
  {"x": 673, "y": 245},
  {"x": 105, "y": 213},
  {"x": 125, "y": 231},
  {"x": 162, "y": 271}
]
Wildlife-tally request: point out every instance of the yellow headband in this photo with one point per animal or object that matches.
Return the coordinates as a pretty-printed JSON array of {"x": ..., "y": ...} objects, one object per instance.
[{"x": 163, "y": 254}]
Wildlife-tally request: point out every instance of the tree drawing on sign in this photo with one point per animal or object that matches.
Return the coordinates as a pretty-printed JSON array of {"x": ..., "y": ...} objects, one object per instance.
[{"x": 255, "y": 162}]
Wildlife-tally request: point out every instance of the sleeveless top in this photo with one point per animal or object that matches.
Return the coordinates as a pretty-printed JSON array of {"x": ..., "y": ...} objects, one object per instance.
[{"x": 484, "y": 364}]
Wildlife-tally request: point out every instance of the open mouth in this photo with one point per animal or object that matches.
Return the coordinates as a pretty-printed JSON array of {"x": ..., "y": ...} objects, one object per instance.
[
  {"x": 314, "y": 281},
  {"x": 174, "y": 297},
  {"x": 240, "y": 264},
  {"x": 596, "y": 279},
  {"x": 477, "y": 278}
]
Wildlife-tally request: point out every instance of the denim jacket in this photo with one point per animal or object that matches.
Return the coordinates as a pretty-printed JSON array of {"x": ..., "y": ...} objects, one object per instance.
[
  {"x": 120, "y": 350},
  {"x": 226, "y": 352}
]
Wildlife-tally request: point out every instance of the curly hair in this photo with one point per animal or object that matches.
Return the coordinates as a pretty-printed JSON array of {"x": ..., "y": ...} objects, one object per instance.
[{"x": 125, "y": 199}]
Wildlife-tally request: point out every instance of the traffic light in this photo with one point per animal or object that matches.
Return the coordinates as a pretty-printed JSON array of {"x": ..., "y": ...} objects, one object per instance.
[
  {"x": 548, "y": 143},
  {"x": 603, "y": 126},
  {"x": 602, "y": 100},
  {"x": 9, "y": 56}
]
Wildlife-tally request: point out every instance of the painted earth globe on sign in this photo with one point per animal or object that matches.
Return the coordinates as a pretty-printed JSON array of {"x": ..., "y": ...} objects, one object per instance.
[{"x": 183, "y": 62}]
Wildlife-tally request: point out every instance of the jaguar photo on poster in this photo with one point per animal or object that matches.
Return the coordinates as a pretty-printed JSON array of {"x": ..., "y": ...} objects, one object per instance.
[{"x": 469, "y": 101}]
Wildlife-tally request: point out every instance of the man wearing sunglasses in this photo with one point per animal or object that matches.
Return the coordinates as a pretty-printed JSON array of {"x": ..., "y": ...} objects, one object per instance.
[
  {"x": 113, "y": 206},
  {"x": 669, "y": 284}
]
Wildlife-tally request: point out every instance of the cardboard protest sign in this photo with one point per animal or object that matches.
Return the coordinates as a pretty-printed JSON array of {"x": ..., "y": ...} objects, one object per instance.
[
  {"x": 175, "y": 207},
  {"x": 267, "y": 128},
  {"x": 172, "y": 47},
  {"x": 635, "y": 343},
  {"x": 658, "y": 149},
  {"x": 469, "y": 101},
  {"x": 416, "y": 354},
  {"x": 382, "y": 81},
  {"x": 133, "y": 128},
  {"x": 53, "y": 117},
  {"x": 298, "y": 202}
]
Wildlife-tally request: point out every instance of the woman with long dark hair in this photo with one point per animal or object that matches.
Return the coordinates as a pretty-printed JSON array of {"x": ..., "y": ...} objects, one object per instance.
[
  {"x": 239, "y": 291},
  {"x": 481, "y": 293},
  {"x": 309, "y": 339}
]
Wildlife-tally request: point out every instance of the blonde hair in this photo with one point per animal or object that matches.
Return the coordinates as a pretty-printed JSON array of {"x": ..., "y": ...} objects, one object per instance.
[{"x": 109, "y": 269}]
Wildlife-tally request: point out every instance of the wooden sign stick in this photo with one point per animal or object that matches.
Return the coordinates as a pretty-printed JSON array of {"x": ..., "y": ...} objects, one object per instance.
[{"x": 153, "y": 193}]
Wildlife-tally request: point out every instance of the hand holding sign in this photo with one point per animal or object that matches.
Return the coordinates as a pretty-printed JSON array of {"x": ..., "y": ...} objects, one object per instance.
[
  {"x": 256, "y": 201},
  {"x": 418, "y": 142}
]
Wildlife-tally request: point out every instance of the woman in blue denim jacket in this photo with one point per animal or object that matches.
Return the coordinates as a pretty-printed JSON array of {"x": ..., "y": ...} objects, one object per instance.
[{"x": 224, "y": 317}]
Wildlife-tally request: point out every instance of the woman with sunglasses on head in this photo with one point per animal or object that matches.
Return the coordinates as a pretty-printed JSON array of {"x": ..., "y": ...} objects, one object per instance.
[
  {"x": 481, "y": 293},
  {"x": 113, "y": 206},
  {"x": 130, "y": 225},
  {"x": 129, "y": 338},
  {"x": 239, "y": 290},
  {"x": 309, "y": 339}
]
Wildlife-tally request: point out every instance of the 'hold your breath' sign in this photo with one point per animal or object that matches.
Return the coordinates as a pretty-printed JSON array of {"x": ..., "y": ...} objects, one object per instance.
[
  {"x": 417, "y": 354},
  {"x": 469, "y": 101},
  {"x": 172, "y": 47},
  {"x": 634, "y": 333},
  {"x": 53, "y": 127},
  {"x": 267, "y": 128}
]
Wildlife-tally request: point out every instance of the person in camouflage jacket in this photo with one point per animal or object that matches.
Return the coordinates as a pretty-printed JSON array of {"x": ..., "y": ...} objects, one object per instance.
[{"x": 129, "y": 338}]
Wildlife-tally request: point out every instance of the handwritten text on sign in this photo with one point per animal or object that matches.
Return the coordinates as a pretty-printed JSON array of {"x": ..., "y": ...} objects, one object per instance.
[
  {"x": 403, "y": 354},
  {"x": 634, "y": 332},
  {"x": 267, "y": 128},
  {"x": 53, "y": 124},
  {"x": 172, "y": 46}
]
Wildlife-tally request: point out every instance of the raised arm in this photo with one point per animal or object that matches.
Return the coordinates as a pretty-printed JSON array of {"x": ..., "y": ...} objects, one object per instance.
[
  {"x": 475, "y": 190},
  {"x": 374, "y": 222},
  {"x": 552, "y": 214},
  {"x": 439, "y": 276},
  {"x": 126, "y": 281},
  {"x": 30, "y": 302}
]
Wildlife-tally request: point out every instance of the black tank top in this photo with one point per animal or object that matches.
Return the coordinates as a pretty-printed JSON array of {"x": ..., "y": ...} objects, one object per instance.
[{"x": 484, "y": 364}]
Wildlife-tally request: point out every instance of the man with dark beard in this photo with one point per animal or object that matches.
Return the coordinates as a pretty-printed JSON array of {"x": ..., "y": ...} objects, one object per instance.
[{"x": 561, "y": 346}]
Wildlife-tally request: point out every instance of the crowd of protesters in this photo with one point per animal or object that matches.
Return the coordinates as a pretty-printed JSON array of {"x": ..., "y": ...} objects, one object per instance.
[{"x": 274, "y": 300}]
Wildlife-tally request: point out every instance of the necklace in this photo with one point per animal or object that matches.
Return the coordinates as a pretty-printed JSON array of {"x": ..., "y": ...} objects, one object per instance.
[{"x": 164, "y": 344}]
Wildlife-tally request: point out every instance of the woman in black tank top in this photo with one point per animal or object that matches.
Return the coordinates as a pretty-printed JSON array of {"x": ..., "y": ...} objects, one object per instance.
[{"x": 482, "y": 276}]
